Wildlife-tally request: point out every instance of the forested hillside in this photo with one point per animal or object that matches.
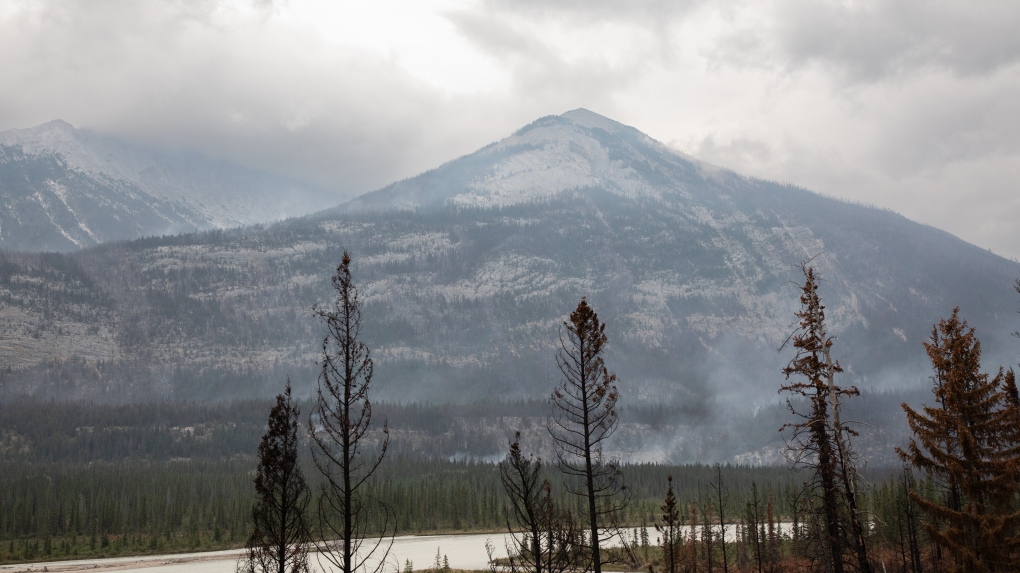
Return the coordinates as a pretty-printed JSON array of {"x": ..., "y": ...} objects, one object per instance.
[{"x": 109, "y": 480}]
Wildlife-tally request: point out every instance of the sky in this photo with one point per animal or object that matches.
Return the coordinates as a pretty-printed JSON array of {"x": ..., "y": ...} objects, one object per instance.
[{"x": 909, "y": 105}]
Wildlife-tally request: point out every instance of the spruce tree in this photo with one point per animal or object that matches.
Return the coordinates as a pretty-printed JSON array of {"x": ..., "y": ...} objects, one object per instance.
[
  {"x": 277, "y": 543},
  {"x": 968, "y": 442}
]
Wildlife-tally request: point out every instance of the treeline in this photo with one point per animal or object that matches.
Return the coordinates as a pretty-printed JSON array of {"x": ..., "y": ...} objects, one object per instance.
[
  {"x": 52, "y": 510},
  {"x": 35, "y": 431},
  {"x": 60, "y": 510},
  {"x": 48, "y": 431}
]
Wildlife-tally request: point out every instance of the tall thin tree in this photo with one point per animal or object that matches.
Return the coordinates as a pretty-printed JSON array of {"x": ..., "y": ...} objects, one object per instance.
[
  {"x": 671, "y": 530},
  {"x": 583, "y": 418},
  {"x": 754, "y": 522},
  {"x": 345, "y": 452},
  {"x": 1016, "y": 287},
  {"x": 278, "y": 542},
  {"x": 821, "y": 438},
  {"x": 720, "y": 494}
]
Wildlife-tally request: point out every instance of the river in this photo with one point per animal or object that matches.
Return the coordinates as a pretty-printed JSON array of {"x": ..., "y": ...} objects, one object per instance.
[{"x": 463, "y": 551}]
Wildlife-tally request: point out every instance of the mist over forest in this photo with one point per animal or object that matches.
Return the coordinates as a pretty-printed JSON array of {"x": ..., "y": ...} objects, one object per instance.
[{"x": 469, "y": 270}]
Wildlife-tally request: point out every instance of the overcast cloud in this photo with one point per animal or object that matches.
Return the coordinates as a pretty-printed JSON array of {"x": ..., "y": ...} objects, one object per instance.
[{"x": 909, "y": 105}]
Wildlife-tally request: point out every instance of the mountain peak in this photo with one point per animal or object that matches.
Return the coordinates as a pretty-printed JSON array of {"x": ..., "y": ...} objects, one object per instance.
[
  {"x": 54, "y": 125},
  {"x": 43, "y": 135},
  {"x": 590, "y": 119},
  {"x": 577, "y": 150}
]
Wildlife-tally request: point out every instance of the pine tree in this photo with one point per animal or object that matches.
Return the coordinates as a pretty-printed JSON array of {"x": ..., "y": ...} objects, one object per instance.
[
  {"x": 342, "y": 420},
  {"x": 584, "y": 416},
  {"x": 277, "y": 543},
  {"x": 968, "y": 442}
]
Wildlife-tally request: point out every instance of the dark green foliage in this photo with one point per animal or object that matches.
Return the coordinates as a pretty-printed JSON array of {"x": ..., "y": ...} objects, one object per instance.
[
  {"x": 142, "y": 506},
  {"x": 898, "y": 521},
  {"x": 161, "y": 506},
  {"x": 34, "y": 431}
]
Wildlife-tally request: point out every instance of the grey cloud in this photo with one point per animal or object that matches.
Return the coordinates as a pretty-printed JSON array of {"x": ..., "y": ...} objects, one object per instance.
[
  {"x": 261, "y": 94},
  {"x": 963, "y": 124},
  {"x": 740, "y": 150},
  {"x": 869, "y": 41},
  {"x": 907, "y": 104},
  {"x": 542, "y": 76},
  {"x": 588, "y": 11}
]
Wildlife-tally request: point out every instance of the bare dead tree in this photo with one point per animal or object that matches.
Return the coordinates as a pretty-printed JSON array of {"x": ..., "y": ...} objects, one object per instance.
[
  {"x": 707, "y": 533},
  {"x": 1016, "y": 287},
  {"x": 278, "y": 542},
  {"x": 521, "y": 479},
  {"x": 693, "y": 543},
  {"x": 908, "y": 521},
  {"x": 753, "y": 520},
  {"x": 583, "y": 418},
  {"x": 720, "y": 493},
  {"x": 549, "y": 543},
  {"x": 772, "y": 556},
  {"x": 340, "y": 431}
]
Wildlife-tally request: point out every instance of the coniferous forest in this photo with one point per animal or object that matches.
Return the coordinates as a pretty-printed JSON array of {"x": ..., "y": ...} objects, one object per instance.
[{"x": 101, "y": 480}]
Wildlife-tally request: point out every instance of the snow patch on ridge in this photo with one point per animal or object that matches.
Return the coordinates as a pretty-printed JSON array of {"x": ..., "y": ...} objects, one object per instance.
[{"x": 590, "y": 119}]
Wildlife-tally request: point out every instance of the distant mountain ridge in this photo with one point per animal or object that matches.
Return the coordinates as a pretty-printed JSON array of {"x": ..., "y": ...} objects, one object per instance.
[
  {"x": 62, "y": 188},
  {"x": 468, "y": 270}
]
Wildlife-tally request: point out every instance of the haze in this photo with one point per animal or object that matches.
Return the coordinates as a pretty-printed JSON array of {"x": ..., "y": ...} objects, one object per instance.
[{"x": 913, "y": 106}]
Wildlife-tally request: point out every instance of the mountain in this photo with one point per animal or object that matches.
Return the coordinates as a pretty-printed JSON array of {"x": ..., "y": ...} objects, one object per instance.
[
  {"x": 467, "y": 272},
  {"x": 62, "y": 189}
]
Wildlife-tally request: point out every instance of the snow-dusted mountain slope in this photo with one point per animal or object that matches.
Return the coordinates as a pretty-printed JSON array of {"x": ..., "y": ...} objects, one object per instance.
[
  {"x": 579, "y": 149},
  {"x": 467, "y": 272},
  {"x": 46, "y": 206},
  {"x": 63, "y": 188}
]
